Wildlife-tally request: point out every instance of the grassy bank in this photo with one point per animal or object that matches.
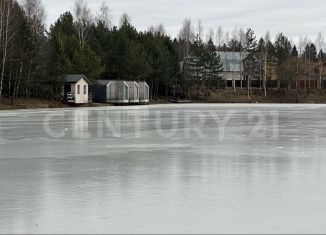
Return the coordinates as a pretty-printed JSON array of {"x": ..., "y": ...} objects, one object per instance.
[
  {"x": 220, "y": 97},
  {"x": 29, "y": 103},
  {"x": 257, "y": 97}
]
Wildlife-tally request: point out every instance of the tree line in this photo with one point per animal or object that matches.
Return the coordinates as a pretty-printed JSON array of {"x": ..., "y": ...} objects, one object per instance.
[
  {"x": 33, "y": 59},
  {"x": 263, "y": 59}
]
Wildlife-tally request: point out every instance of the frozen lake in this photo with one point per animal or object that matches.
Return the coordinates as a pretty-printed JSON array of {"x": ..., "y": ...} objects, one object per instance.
[{"x": 164, "y": 169}]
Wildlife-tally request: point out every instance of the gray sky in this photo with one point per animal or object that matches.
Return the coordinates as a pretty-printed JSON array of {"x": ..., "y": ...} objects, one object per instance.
[{"x": 293, "y": 17}]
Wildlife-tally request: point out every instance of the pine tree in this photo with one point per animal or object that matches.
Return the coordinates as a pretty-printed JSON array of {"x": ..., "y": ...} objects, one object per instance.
[
  {"x": 68, "y": 55},
  {"x": 250, "y": 45},
  {"x": 283, "y": 49},
  {"x": 321, "y": 56},
  {"x": 294, "y": 51},
  {"x": 261, "y": 45},
  {"x": 212, "y": 64},
  {"x": 196, "y": 60},
  {"x": 310, "y": 52},
  {"x": 250, "y": 62}
]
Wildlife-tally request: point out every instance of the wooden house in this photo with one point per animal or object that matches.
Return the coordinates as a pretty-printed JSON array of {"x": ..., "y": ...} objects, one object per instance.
[{"x": 75, "y": 89}]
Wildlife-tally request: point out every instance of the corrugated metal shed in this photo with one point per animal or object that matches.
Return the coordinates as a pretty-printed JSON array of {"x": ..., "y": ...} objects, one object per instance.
[
  {"x": 143, "y": 92},
  {"x": 133, "y": 91},
  {"x": 116, "y": 92},
  {"x": 111, "y": 91}
]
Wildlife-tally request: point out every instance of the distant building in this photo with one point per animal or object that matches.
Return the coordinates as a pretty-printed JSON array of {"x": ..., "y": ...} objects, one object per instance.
[
  {"x": 75, "y": 89},
  {"x": 233, "y": 67},
  {"x": 317, "y": 71},
  {"x": 313, "y": 75}
]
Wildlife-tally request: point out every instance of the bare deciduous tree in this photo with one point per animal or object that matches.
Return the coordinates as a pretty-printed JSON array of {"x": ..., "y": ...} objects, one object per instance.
[
  {"x": 83, "y": 19},
  {"x": 186, "y": 35},
  {"x": 2, "y": 14},
  {"x": 104, "y": 15},
  {"x": 226, "y": 37},
  {"x": 320, "y": 47},
  {"x": 242, "y": 40},
  {"x": 151, "y": 29},
  {"x": 235, "y": 41},
  {"x": 125, "y": 19},
  {"x": 302, "y": 44},
  {"x": 219, "y": 37},
  {"x": 210, "y": 35},
  {"x": 226, "y": 41},
  {"x": 6, "y": 34},
  {"x": 160, "y": 30},
  {"x": 267, "y": 39},
  {"x": 200, "y": 29},
  {"x": 35, "y": 14}
]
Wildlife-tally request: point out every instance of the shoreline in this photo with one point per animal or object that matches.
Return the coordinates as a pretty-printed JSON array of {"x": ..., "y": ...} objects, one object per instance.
[{"x": 30, "y": 103}]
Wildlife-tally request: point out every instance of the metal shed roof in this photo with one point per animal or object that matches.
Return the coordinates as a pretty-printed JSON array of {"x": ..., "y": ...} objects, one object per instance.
[
  {"x": 232, "y": 61},
  {"x": 103, "y": 82},
  {"x": 106, "y": 82}
]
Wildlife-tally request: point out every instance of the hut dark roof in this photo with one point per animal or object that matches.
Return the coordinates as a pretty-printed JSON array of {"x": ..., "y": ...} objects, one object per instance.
[{"x": 73, "y": 78}]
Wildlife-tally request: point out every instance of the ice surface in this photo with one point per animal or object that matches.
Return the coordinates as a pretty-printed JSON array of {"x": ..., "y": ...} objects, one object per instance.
[{"x": 164, "y": 169}]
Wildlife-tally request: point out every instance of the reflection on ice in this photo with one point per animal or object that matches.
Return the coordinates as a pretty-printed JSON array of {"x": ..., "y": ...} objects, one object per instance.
[{"x": 164, "y": 169}]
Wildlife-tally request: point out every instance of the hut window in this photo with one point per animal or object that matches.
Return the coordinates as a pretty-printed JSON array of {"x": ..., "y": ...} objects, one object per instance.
[
  {"x": 78, "y": 89},
  {"x": 85, "y": 89}
]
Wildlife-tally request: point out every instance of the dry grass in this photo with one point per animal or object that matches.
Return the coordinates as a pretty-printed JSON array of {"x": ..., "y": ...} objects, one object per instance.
[
  {"x": 29, "y": 103},
  {"x": 272, "y": 97},
  {"x": 215, "y": 97}
]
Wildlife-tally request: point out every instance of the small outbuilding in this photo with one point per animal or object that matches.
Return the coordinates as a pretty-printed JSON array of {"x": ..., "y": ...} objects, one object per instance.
[
  {"x": 133, "y": 92},
  {"x": 143, "y": 92},
  {"x": 75, "y": 89},
  {"x": 111, "y": 91}
]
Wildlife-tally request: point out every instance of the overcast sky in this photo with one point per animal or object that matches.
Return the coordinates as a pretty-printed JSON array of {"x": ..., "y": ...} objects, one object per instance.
[{"x": 293, "y": 17}]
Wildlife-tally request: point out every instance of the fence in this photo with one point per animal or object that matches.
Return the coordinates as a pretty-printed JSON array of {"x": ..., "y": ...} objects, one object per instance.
[{"x": 312, "y": 84}]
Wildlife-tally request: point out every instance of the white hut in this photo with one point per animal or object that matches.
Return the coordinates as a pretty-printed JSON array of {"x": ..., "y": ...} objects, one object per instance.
[
  {"x": 75, "y": 89},
  {"x": 114, "y": 92},
  {"x": 143, "y": 92},
  {"x": 133, "y": 92}
]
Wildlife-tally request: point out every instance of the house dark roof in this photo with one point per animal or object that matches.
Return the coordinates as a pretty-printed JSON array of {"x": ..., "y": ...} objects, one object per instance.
[{"x": 73, "y": 78}]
